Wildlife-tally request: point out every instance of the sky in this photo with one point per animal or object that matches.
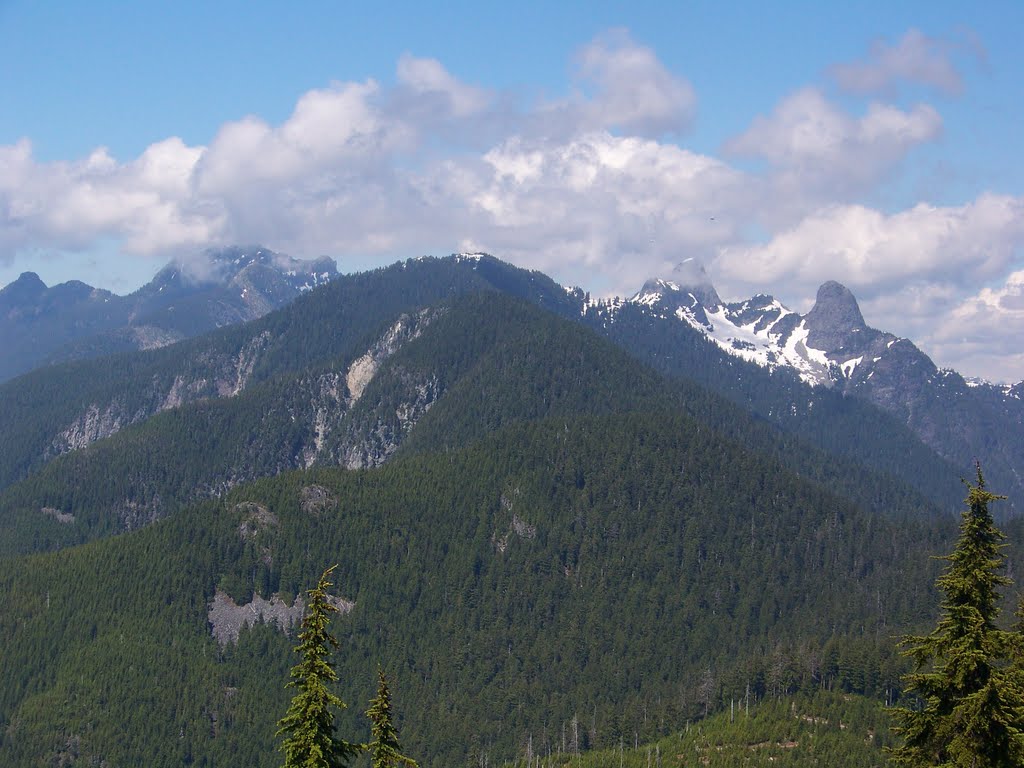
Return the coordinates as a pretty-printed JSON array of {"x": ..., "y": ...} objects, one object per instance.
[{"x": 779, "y": 144}]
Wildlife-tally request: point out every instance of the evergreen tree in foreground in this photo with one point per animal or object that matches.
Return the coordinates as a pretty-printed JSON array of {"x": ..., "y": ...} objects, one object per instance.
[
  {"x": 972, "y": 711},
  {"x": 385, "y": 751},
  {"x": 308, "y": 726}
]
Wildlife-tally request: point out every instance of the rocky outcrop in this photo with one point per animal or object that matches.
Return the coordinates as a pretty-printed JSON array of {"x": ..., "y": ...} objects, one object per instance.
[
  {"x": 835, "y": 323},
  {"x": 95, "y": 423},
  {"x": 375, "y": 435},
  {"x": 241, "y": 366},
  {"x": 227, "y": 618},
  {"x": 61, "y": 517},
  {"x": 255, "y": 518},
  {"x": 364, "y": 368},
  {"x": 333, "y": 396}
]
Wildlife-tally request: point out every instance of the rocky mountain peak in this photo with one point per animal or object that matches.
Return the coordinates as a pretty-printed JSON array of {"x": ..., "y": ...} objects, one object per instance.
[
  {"x": 214, "y": 265},
  {"x": 688, "y": 285},
  {"x": 835, "y": 319},
  {"x": 691, "y": 277},
  {"x": 28, "y": 287}
]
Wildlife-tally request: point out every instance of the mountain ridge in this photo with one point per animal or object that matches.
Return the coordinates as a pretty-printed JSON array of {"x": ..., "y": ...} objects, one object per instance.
[
  {"x": 657, "y": 327},
  {"x": 541, "y": 514},
  {"x": 832, "y": 347},
  {"x": 42, "y": 325}
]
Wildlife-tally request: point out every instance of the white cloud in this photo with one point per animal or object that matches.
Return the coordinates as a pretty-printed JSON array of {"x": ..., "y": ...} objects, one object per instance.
[
  {"x": 586, "y": 188},
  {"x": 352, "y": 168},
  {"x": 633, "y": 90},
  {"x": 916, "y": 58},
  {"x": 816, "y": 148},
  {"x": 867, "y": 249},
  {"x": 622, "y": 87},
  {"x": 984, "y": 331},
  {"x": 628, "y": 206},
  {"x": 328, "y": 127},
  {"x": 146, "y": 202},
  {"x": 428, "y": 77}
]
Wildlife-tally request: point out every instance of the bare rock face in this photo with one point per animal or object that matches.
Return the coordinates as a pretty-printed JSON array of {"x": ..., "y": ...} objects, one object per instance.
[
  {"x": 95, "y": 423},
  {"x": 61, "y": 517},
  {"x": 370, "y": 443},
  {"x": 240, "y": 370},
  {"x": 226, "y": 376},
  {"x": 333, "y": 395},
  {"x": 362, "y": 370},
  {"x": 227, "y": 618},
  {"x": 835, "y": 322},
  {"x": 255, "y": 518}
]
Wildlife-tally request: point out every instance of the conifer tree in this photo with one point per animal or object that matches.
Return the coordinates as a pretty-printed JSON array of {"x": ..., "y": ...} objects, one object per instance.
[
  {"x": 972, "y": 704},
  {"x": 385, "y": 751},
  {"x": 308, "y": 726}
]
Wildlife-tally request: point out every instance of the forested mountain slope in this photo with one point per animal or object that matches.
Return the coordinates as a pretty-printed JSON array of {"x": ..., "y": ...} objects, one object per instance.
[
  {"x": 538, "y": 518},
  {"x": 838, "y": 730},
  {"x": 435, "y": 380},
  {"x": 629, "y": 570},
  {"x": 63, "y": 408},
  {"x": 358, "y": 320},
  {"x": 833, "y": 348}
]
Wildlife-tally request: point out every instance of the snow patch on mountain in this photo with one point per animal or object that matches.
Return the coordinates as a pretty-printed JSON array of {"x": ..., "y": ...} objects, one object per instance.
[{"x": 760, "y": 330}]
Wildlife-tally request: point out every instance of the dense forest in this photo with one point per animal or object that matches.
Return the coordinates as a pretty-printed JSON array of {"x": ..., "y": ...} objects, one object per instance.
[{"x": 636, "y": 568}]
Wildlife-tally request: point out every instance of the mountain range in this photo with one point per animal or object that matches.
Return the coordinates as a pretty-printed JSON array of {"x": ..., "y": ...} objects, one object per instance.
[
  {"x": 547, "y": 511},
  {"x": 832, "y": 347},
  {"x": 41, "y": 325}
]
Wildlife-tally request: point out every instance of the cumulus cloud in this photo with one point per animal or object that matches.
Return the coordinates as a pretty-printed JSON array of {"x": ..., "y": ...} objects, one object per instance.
[
  {"x": 429, "y": 78},
  {"x": 632, "y": 89},
  {"x": 816, "y": 148},
  {"x": 588, "y": 188},
  {"x": 624, "y": 205},
  {"x": 146, "y": 202},
  {"x": 983, "y": 331},
  {"x": 336, "y": 125},
  {"x": 916, "y": 58},
  {"x": 622, "y": 87},
  {"x": 353, "y": 168},
  {"x": 870, "y": 250}
]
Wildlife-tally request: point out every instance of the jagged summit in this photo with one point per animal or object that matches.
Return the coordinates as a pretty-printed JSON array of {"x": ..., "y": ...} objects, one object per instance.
[
  {"x": 835, "y": 319},
  {"x": 688, "y": 286},
  {"x": 27, "y": 287},
  {"x": 193, "y": 294},
  {"x": 823, "y": 347},
  {"x": 692, "y": 278},
  {"x": 224, "y": 265}
]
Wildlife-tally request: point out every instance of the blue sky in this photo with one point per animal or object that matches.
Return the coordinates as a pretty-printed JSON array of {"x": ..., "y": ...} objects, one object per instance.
[{"x": 781, "y": 144}]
